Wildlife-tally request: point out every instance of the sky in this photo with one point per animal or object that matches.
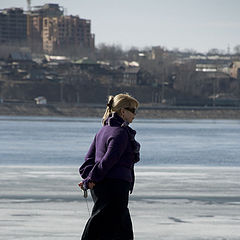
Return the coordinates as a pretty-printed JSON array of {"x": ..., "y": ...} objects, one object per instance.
[{"x": 200, "y": 25}]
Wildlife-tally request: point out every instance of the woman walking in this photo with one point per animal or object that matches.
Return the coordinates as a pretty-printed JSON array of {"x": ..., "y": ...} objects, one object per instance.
[{"x": 108, "y": 171}]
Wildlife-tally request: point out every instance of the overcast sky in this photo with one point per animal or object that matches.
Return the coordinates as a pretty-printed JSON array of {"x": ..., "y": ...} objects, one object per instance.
[{"x": 183, "y": 24}]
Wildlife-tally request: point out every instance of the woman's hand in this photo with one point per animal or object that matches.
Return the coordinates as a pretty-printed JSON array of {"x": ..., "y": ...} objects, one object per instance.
[
  {"x": 90, "y": 185},
  {"x": 81, "y": 185}
]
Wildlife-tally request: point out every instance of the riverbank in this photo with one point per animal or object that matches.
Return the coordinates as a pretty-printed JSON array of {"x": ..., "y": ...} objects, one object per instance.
[{"x": 84, "y": 110}]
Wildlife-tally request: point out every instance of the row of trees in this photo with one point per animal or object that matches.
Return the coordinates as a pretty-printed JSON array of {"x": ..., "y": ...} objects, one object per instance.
[{"x": 106, "y": 51}]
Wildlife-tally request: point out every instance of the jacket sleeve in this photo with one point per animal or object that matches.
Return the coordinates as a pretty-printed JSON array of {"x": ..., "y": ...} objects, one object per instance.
[
  {"x": 89, "y": 162},
  {"x": 116, "y": 145}
]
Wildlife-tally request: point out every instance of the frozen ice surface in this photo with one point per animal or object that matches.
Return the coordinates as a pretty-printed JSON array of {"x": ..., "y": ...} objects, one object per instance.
[{"x": 170, "y": 203}]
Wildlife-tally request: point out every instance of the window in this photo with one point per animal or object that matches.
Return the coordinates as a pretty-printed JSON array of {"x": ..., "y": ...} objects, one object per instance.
[{"x": 45, "y": 22}]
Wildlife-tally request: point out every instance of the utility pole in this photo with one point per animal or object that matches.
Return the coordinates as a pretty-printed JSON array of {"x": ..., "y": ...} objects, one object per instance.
[
  {"x": 163, "y": 86},
  {"x": 29, "y": 22},
  {"x": 29, "y": 5},
  {"x": 214, "y": 91},
  {"x": 61, "y": 90},
  {"x": 228, "y": 49}
]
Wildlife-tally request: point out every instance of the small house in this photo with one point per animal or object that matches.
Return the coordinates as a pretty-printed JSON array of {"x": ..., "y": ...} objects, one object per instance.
[{"x": 40, "y": 100}]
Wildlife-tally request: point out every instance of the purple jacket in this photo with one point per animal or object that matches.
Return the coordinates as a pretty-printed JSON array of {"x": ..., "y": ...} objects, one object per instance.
[{"x": 112, "y": 153}]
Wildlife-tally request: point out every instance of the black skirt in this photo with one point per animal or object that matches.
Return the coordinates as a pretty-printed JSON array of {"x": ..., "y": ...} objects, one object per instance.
[{"x": 110, "y": 218}]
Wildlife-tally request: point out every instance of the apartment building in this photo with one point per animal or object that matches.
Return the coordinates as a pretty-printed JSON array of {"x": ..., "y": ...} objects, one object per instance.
[
  {"x": 66, "y": 32},
  {"x": 45, "y": 28},
  {"x": 13, "y": 26},
  {"x": 57, "y": 31},
  {"x": 35, "y": 23}
]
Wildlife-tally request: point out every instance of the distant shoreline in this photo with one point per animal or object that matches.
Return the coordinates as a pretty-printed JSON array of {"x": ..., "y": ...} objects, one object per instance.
[{"x": 145, "y": 111}]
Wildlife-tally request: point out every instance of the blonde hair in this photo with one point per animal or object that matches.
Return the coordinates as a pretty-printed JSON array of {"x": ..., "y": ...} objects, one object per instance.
[{"x": 115, "y": 103}]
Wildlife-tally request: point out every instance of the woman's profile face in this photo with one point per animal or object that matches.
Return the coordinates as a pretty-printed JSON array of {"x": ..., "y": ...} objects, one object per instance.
[{"x": 128, "y": 114}]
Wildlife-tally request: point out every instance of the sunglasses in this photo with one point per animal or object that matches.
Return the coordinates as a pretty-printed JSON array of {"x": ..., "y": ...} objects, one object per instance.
[{"x": 132, "y": 110}]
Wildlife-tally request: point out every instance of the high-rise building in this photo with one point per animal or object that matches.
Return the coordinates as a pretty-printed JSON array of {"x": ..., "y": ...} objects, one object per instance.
[
  {"x": 13, "y": 26},
  {"x": 57, "y": 31},
  {"x": 45, "y": 28},
  {"x": 67, "y": 32},
  {"x": 35, "y": 23}
]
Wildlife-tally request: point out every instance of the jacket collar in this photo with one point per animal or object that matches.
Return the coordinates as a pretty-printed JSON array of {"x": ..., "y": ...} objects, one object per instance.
[{"x": 115, "y": 120}]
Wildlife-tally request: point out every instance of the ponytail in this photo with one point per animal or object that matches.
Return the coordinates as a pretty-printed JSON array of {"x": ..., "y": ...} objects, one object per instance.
[{"x": 108, "y": 110}]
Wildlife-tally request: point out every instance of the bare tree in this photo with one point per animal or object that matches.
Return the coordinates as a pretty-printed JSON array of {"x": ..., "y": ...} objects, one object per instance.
[
  {"x": 236, "y": 49},
  {"x": 111, "y": 53},
  {"x": 215, "y": 51}
]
